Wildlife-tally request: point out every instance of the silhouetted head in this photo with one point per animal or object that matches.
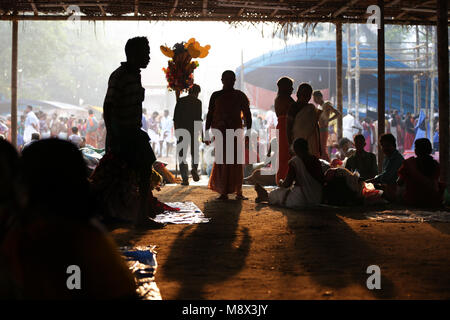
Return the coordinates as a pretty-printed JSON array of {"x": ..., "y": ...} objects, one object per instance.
[
  {"x": 285, "y": 85},
  {"x": 74, "y": 130},
  {"x": 318, "y": 97},
  {"x": 304, "y": 92},
  {"x": 90, "y": 112},
  {"x": 388, "y": 143},
  {"x": 300, "y": 147},
  {"x": 56, "y": 177},
  {"x": 228, "y": 79},
  {"x": 137, "y": 51},
  {"x": 360, "y": 142},
  {"x": 28, "y": 109},
  {"x": 344, "y": 144},
  {"x": 194, "y": 90},
  {"x": 35, "y": 136},
  {"x": 166, "y": 113},
  {"x": 422, "y": 147}
]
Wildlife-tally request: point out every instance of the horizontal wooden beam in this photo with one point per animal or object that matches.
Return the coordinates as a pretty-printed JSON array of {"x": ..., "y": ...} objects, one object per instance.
[{"x": 214, "y": 17}]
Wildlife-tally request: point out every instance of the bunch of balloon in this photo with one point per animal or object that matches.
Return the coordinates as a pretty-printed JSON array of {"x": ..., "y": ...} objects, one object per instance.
[{"x": 179, "y": 72}]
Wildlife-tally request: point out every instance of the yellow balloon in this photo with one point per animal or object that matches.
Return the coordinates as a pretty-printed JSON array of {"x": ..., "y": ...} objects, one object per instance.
[
  {"x": 166, "y": 51},
  {"x": 204, "y": 51}
]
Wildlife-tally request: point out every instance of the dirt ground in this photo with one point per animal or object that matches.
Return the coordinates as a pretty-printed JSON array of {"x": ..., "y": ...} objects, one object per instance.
[{"x": 253, "y": 251}]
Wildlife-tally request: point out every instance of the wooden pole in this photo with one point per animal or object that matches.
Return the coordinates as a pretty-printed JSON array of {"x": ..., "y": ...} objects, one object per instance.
[
  {"x": 442, "y": 44},
  {"x": 349, "y": 68},
  {"x": 339, "y": 77},
  {"x": 381, "y": 84},
  {"x": 357, "y": 73},
  {"x": 432, "y": 78},
  {"x": 15, "y": 30}
]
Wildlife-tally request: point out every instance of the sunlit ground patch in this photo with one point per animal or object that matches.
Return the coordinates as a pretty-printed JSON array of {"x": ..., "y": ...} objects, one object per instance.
[{"x": 189, "y": 214}]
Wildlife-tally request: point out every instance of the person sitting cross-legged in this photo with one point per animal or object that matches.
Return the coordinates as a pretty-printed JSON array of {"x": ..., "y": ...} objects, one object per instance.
[
  {"x": 303, "y": 184},
  {"x": 420, "y": 177},
  {"x": 387, "y": 179},
  {"x": 362, "y": 161}
]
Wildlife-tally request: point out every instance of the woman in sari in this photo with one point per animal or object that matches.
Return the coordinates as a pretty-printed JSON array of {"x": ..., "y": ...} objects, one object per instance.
[
  {"x": 303, "y": 184},
  {"x": 302, "y": 121},
  {"x": 225, "y": 109},
  {"x": 282, "y": 103}
]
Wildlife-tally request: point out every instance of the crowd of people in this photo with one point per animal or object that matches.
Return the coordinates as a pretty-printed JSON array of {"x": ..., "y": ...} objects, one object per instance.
[
  {"x": 37, "y": 124},
  {"x": 50, "y": 206},
  {"x": 404, "y": 127},
  {"x": 352, "y": 175}
]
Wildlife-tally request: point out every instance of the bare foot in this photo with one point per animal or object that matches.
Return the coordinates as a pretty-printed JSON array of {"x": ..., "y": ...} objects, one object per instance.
[
  {"x": 262, "y": 194},
  {"x": 223, "y": 197},
  {"x": 240, "y": 196}
]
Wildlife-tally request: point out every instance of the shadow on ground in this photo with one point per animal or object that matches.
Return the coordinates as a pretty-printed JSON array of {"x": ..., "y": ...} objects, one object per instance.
[
  {"x": 200, "y": 255},
  {"x": 331, "y": 253}
]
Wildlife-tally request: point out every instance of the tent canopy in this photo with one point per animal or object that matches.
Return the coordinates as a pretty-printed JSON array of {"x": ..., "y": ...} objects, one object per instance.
[{"x": 315, "y": 62}]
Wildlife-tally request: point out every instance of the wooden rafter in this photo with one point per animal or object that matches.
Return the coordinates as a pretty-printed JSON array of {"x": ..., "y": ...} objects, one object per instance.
[
  {"x": 321, "y": 3},
  {"x": 175, "y": 5},
  {"x": 405, "y": 12},
  {"x": 393, "y": 3},
  {"x": 241, "y": 11},
  {"x": 343, "y": 8},
  {"x": 274, "y": 12},
  {"x": 205, "y": 8},
  {"x": 102, "y": 9},
  {"x": 246, "y": 5},
  {"x": 33, "y": 6},
  {"x": 136, "y": 7}
]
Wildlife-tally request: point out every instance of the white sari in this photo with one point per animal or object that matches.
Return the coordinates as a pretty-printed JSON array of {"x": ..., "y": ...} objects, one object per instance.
[{"x": 306, "y": 192}]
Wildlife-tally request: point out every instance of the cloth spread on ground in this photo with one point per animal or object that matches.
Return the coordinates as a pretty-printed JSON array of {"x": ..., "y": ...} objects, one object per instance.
[
  {"x": 142, "y": 263},
  {"x": 409, "y": 216},
  {"x": 189, "y": 213}
]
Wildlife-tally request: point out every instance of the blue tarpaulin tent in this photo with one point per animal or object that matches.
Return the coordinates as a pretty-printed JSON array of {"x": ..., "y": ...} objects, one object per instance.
[{"x": 315, "y": 62}]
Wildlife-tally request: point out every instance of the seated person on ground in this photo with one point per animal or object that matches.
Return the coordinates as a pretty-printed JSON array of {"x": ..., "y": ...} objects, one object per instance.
[
  {"x": 420, "y": 177},
  {"x": 303, "y": 183},
  {"x": 387, "y": 179},
  {"x": 345, "y": 149},
  {"x": 362, "y": 161},
  {"x": 342, "y": 187}
]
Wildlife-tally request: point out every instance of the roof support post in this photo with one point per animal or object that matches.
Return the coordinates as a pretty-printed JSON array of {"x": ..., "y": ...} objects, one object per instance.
[
  {"x": 442, "y": 46},
  {"x": 339, "y": 77},
  {"x": 15, "y": 29},
  {"x": 381, "y": 81}
]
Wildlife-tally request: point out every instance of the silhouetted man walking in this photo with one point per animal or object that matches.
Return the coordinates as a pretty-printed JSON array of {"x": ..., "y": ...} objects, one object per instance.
[
  {"x": 188, "y": 110},
  {"x": 123, "y": 120}
]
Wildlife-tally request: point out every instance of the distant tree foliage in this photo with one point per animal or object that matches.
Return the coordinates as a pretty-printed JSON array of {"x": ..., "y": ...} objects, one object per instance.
[{"x": 59, "y": 60}]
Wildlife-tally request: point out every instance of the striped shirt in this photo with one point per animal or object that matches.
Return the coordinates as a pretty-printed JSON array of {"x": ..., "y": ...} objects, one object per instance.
[{"x": 122, "y": 108}]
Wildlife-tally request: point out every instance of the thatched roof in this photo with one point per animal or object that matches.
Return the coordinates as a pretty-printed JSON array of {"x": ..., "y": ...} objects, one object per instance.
[{"x": 283, "y": 11}]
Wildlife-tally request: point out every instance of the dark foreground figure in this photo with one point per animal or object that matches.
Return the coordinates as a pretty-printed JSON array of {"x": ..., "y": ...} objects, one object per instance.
[{"x": 49, "y": 230}]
